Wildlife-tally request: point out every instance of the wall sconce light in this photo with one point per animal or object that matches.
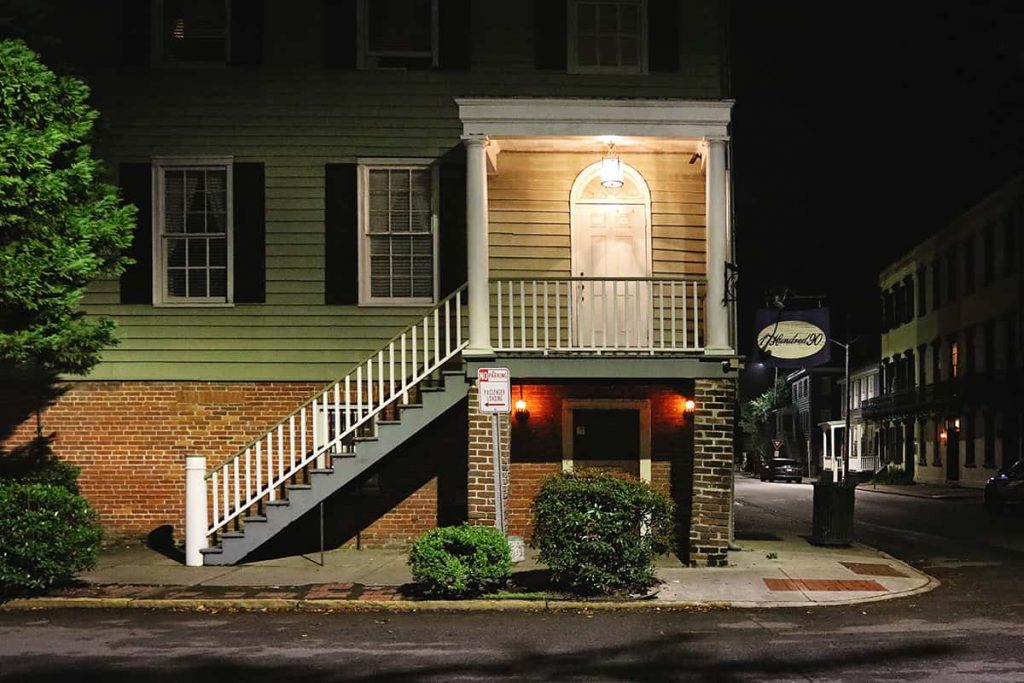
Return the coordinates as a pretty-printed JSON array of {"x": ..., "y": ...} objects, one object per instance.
[
  {"x": 611, "y": 169},
  {"x": 943, "y": 437},
  {"x": 522, "y": 414},
  {"x": 688, "y": 409},
  {"x": 956, "y": 425}
]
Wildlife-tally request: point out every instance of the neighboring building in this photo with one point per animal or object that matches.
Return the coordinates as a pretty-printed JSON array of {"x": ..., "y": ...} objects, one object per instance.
[
  {"x": 864, "y": 435},
  {"x": 813, "y": 399},
  {"x": 317, "y": 181},
  {"x": 952, "y": 390}
]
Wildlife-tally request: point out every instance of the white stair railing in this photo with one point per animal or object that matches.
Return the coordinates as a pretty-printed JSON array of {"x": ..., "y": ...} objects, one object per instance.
[
  {"x": 599, "y": 315},
  {"x": 319, "y": 428}
]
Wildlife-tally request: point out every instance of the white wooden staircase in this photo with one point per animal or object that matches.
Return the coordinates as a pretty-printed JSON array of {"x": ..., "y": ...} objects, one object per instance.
[{"x": 336, "y": 436}]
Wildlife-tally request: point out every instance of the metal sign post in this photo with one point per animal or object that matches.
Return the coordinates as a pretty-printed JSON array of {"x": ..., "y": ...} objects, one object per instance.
[{"x": 494, "y": 394}]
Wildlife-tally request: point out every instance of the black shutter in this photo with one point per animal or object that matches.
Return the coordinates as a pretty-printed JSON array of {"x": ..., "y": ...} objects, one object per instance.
[
  {"x": 250, "y": 233},
  {"x": 549, "y": 36},
  {"x": 663, "y": 35},
  {"x": 341, "y": 232},
  {"x": 340, "y": 34},
  {"x": 454, "y": 24},
  {"x": 137, "y": 188},
  {"x": 452, "y": 224},
  {"x": 246, "y": 32},
  {"x": 134, "y": 29}
]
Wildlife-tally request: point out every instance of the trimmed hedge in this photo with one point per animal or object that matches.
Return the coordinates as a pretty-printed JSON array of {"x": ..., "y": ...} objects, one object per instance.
[
  {"x": 461, "y": 561},
  {"x": 599, "y": 532},
  {"x": 48, "y": 533}
]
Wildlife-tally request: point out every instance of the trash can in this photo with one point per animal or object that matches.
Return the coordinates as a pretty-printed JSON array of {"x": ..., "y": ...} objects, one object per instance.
[{"x": 832, "y": 523}]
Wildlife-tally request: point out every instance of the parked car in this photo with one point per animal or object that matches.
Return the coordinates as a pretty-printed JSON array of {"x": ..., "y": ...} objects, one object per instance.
[
  {"x": 782, "y": 469},
  {"x": 1006, "y": 488}
]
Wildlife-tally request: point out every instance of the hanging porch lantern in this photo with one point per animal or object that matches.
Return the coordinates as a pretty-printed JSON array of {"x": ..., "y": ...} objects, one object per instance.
[{"x": 611, "y": 169}]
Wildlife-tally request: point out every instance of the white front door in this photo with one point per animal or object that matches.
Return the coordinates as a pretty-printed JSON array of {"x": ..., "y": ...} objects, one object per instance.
[{"x": 610, "y": 242}]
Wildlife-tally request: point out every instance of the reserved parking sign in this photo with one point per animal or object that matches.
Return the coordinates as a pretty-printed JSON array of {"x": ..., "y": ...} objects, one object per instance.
[{"x": 494, "y": 390}]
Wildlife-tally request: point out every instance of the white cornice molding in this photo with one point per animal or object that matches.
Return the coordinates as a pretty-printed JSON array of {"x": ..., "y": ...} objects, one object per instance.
[{"x": 541, "y": 117}]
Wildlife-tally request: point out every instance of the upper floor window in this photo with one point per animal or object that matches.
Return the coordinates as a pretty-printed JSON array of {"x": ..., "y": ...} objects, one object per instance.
[
  {"x": 922, "y": 293},
  {"x": 398, "y": 33},
  {"x": 936, "y": 284},
  {"x": 398, "y": 245},
  {"x": 193, "y": 31},
  {"x": 607, "y": 36},
  {"x": 951, "y": 275},
  {"x": 954, "y": 358},
  {"x": 192, "y": 210},
  {"x": 968, "y": 251}
]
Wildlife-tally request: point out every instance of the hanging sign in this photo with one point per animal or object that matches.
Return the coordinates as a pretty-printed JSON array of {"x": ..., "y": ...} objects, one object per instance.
[
  {"x": 494, "y": 390},
  {"x": 776, "y": 444},
  {"x": 793, "y": 339}
]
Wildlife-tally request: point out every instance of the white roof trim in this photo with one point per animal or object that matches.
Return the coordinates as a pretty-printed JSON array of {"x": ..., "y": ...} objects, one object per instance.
[{"x": 538, "y": 117}]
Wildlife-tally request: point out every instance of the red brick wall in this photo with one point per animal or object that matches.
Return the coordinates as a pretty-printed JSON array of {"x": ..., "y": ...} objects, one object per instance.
[
  {"x": 537, "y": 441},
  {"x": 712, "y": 471},
  {"x": 481, "y": 463},
  {"x": 131, "y": 438}
]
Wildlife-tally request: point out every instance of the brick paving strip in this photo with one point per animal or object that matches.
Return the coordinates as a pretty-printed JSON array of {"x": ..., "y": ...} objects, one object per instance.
[
  {"x": 325, "y": 591},
  {"x": 823, "y": 585},
  {"x": 874, "y": 569}
]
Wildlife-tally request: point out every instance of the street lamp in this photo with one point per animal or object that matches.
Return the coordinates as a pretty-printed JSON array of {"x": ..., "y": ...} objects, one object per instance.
[{"x": 849, "y": 406}]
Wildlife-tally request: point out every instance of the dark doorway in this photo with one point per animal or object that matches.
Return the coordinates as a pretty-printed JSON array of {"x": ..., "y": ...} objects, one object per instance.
[
  {"x": 1011, "y": 440},
  {"x": 909, "y": 456},
  {"x": 952, "y": 453},
  {"x": 606, "y": 440}
]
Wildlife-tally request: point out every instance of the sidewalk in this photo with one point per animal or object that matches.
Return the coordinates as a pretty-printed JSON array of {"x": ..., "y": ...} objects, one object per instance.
[
  {"x": 769, "y": 572},
  {"x": 933, "y": 491}
]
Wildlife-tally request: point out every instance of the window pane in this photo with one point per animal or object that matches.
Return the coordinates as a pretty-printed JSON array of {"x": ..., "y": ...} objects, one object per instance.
[
  {"x": 607, "y": 19},
  {"x": 197, "y": 282},
  {"x": 400, "y": 26},
  {"x": 588, "y": 50},
  {"x": 197, "y": 253},
  {"x": 176, "y": 253},
  {"x": 176, "y": 283},
  {"x": 401, "y": 264},
  {"x": 219, "y": 282},
  {"x": 194, "y": 30},
  {"x": 218, "y": 252}
]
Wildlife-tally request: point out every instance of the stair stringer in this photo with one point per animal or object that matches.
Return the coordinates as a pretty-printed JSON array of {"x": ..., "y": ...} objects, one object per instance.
[{"x": 414, "y": 418}]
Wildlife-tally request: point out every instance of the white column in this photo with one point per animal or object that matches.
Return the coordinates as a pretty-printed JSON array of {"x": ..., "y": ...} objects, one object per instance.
[
  {"x": 195, "y": 509},
  {"x": 476, "y": 247},
  {"x": 716, "y": 336}
]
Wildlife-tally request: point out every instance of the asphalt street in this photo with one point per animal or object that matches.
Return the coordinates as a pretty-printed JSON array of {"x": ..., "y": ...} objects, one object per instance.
[{"x": 970, "y": 629}]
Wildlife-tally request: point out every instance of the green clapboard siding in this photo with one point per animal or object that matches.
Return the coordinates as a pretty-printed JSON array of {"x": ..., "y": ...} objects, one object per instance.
[{"x": 295, "y": 116}]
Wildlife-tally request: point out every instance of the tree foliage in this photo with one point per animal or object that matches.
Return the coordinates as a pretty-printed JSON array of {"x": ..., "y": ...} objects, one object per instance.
[
  {"x": 61, "y": 227},
  {"x": 757, "y": 414}
]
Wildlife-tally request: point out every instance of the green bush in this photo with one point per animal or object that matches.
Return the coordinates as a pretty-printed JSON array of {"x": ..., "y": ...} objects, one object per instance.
[
  {"x": 893, "y": 474},
  {"x": 461, "y": 561},
  {"x": 599, "y": 533},
  {"x": 48, "y": 533}
]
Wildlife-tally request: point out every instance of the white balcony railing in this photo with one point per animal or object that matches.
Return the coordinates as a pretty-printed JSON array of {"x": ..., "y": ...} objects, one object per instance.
[{"x": 598, "y": 315}]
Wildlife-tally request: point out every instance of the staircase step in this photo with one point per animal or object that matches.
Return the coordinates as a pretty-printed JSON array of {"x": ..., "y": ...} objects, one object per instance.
[
  {"x": 254, "y": 518},
  {"x": 213, "y": 550},
  {"x": 278, "y": 503},
  {"x": 410, "y": 405},
  {"x": 232, "y": 534},
  {"x": 343, "y": 455},
  {"x": 298, "y": 487},
  {"x": 326, "y": 470},
  {"x": 429, "y": 389},
  {"x": 389, "y": 422},
  {"x": 365, "y": 438}
]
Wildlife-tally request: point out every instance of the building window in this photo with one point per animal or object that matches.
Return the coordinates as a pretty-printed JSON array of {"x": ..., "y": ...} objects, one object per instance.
[
  {"x": 969, "y": 434},
  {"x": 936, "y": 284},
  {"x": 398, "y": 245},
  {"x": 990, "y": 440},
  {"x": 192, "y": 207},
  {"x": 936, "y": 360},
  {"x": 990, "y": 345},
  {"x": 950, "y": 275},
  {"x": 954, "y": 358},
  {"x": 398, "y": 33},
  {"x": 969, "y": 265},
  {"x": 937, "y": 453},
  {"x": 988, "y": 272},
  {"x": 607, "y": 36},
  {"x": 1012, "y": 345},
  {"x": 922, "y": 365},
  {"x": 1011, "y": 229},
  {"x": 922, "y": 292},
  {"x": 193, "y": 31}
]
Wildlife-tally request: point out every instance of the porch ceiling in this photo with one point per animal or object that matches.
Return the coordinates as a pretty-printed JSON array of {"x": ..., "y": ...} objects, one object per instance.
[{"x": 598, "y": 144}]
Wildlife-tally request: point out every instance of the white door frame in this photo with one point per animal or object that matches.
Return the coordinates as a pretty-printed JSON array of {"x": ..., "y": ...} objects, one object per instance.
[{"x": 642, "y": 406}]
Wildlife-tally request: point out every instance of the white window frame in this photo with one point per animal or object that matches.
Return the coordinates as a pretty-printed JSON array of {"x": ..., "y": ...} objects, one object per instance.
[
  {"x": 158, "y": 43},
  {"x": 363, "y": 175},
  {"x": 160, "y": 165},
  {"x": 574, "y": 66},
  {"x": 367, "y": 59}
]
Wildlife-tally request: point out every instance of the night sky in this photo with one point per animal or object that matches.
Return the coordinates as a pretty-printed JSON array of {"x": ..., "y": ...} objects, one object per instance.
[{"x": 859, "y": 129}]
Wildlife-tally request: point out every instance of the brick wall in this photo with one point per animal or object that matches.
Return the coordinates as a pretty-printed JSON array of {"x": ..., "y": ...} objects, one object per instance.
[
  {"x": 131, "y": 438},
  {"x": 712, "y": 471},
  {"x": 480, "y": 475},
  {"x": 536, "y": 447}
]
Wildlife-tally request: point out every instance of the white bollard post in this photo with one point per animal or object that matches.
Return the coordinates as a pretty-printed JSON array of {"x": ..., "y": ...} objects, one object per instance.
[{"x": 195, "y": 509}]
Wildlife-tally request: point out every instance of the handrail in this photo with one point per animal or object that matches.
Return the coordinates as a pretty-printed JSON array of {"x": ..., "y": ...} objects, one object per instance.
[{"x": 403, "y": 362}]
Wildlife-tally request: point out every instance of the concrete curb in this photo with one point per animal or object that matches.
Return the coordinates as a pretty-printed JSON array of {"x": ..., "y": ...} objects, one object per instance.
[{"x": 967, "y": 494}]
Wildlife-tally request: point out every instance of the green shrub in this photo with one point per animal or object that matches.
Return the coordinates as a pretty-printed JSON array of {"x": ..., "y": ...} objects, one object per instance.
[
  {"x": 599, "y": 533},
  {"x": 461, "y": 561},
  {"x": 48, "y": 533},
  {"x": 893, "y": 474}
]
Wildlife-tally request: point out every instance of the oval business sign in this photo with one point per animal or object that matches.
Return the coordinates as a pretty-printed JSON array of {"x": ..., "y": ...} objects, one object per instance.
[{"x": 792, "y": 339}]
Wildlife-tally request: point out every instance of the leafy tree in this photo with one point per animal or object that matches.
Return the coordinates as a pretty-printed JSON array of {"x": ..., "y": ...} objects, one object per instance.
[
  {"x": 60, "y": 225},
  {"x": 758, "y": 413}
]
